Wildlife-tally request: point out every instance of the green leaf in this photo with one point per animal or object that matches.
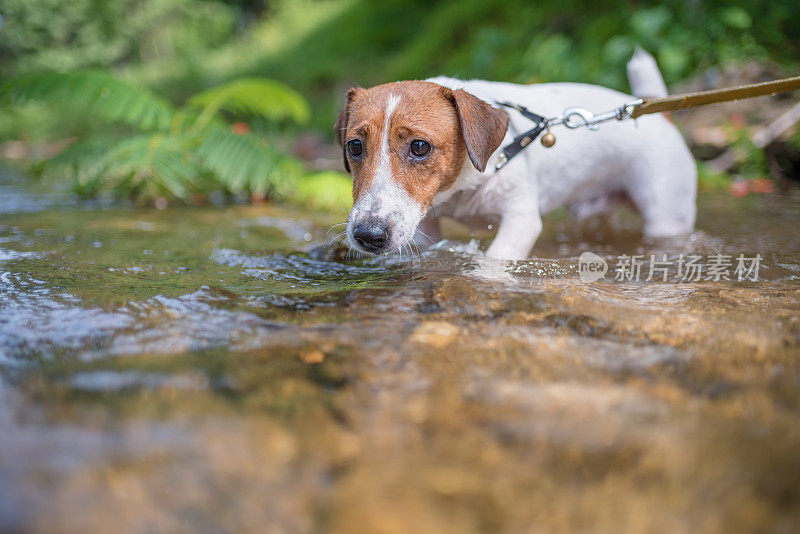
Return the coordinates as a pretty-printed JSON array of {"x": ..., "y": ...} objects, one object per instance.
[
  {"x": 736, "y": 17},
  {"x": 144, "y": 165},
  {"x": 650, "y": 22},
  {"x": 325, "y": 190},
  {"x": 260, "y": 97},
  {"x": 246, "y": 164},
  {"x": 549, "y": 57},
  {"x": 618, "y": 49},
  {"x": 99, "y": 93},
  {"x": 183, "y": 152},
  {"x": 674, "y": 60}
]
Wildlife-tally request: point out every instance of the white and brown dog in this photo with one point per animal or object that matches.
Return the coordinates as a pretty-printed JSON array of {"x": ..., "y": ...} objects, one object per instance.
[{"x": 416, "y": 145}]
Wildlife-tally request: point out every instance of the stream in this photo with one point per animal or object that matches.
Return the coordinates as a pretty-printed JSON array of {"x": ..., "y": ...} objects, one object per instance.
[{"x": 223, "y": 369}]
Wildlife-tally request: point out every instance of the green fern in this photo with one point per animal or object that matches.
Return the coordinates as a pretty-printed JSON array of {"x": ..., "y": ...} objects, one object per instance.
[
  {"x": 152, "y": 165},
  {"x": 102, "y": 95},
  {"x": 81, "y": 156},
  {"x": 246, "y": 164},
  {"x": 147, "y": 165},
  {"x": 259, "y": 97},
  {"x": 170, "y": 151}
]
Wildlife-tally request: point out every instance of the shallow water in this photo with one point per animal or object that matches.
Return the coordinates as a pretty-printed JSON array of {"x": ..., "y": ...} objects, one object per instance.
[{"x": 213, "y": 369}]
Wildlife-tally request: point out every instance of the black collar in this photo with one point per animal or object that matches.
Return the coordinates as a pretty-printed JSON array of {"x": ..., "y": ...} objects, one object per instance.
[{"x": 524, "y": 139}]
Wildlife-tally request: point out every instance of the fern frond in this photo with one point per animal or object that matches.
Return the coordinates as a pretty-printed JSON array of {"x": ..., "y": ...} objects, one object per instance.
[
  {"x": 183, "y": 151},
  {"x": 100, "y": 93},
  {"x": 153, "y": 164},
  {"x": 261, "y": 97},
  {"x": 146, "y": 165},
  {"x": 246, "y": 164},
  {"x": 86, "y": 155}
]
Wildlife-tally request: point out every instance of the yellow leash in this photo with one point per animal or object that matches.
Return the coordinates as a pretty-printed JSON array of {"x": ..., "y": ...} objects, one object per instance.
[
  {"x": 576, "y": 117},
  {"x": 715, "y": 96}
]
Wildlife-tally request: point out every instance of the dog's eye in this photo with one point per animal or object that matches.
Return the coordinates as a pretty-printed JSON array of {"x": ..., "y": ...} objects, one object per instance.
[
  {"x": 420, "y": 149},
  {"x": 355, "y": 148}
]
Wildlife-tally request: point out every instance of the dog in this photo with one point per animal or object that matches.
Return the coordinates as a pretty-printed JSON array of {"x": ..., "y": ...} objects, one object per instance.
[{"x": 419, "y": 148}]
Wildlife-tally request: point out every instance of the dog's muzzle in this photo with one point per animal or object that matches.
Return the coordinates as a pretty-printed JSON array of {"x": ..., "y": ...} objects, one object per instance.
[{"x": 372, "y": 235}]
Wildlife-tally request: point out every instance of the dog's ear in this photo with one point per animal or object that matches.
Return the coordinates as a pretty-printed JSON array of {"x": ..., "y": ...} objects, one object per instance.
[
  {"x": 340, "y": 128},
  {"x": 482, "y": 126}
]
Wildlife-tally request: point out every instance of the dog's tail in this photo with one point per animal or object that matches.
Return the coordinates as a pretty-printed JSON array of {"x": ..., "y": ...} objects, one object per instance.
[{"x": 644, "y": 77}]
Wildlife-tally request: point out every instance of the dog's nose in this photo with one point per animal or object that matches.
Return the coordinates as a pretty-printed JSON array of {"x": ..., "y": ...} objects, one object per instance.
[{"x": 372, "y": 236}]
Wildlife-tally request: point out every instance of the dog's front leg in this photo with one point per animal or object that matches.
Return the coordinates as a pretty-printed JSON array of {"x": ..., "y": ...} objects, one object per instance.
[{"x": 519, "y": 229}]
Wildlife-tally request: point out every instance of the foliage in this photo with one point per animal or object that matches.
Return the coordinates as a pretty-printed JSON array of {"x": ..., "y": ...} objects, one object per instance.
[
  {"x": 322, "y": 47},
  {"x": 59, "y": 35},
  {"x": 325, "y": 190},
  {"x": 95, "y": 92},
  {"x": 752, "y": 160},
  {"x": 150, "y": 148},
  {"x": 709, "y": 179},
  {"x": 254, "y": 97}
]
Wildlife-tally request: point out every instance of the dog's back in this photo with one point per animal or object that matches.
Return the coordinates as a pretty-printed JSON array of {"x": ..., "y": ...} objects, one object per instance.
[{"x": 646, "y": 159}]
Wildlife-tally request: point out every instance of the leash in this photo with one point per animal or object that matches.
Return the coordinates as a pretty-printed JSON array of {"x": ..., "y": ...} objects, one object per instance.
[{"x": 576, "y": 117}]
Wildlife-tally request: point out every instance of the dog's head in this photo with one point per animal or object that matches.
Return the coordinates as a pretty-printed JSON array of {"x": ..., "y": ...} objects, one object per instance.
[{"x": 403, "y": 143}]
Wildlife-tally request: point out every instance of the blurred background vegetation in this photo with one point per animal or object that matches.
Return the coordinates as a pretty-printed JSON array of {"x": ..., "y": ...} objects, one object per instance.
[{"x": 186, "y": 98}]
